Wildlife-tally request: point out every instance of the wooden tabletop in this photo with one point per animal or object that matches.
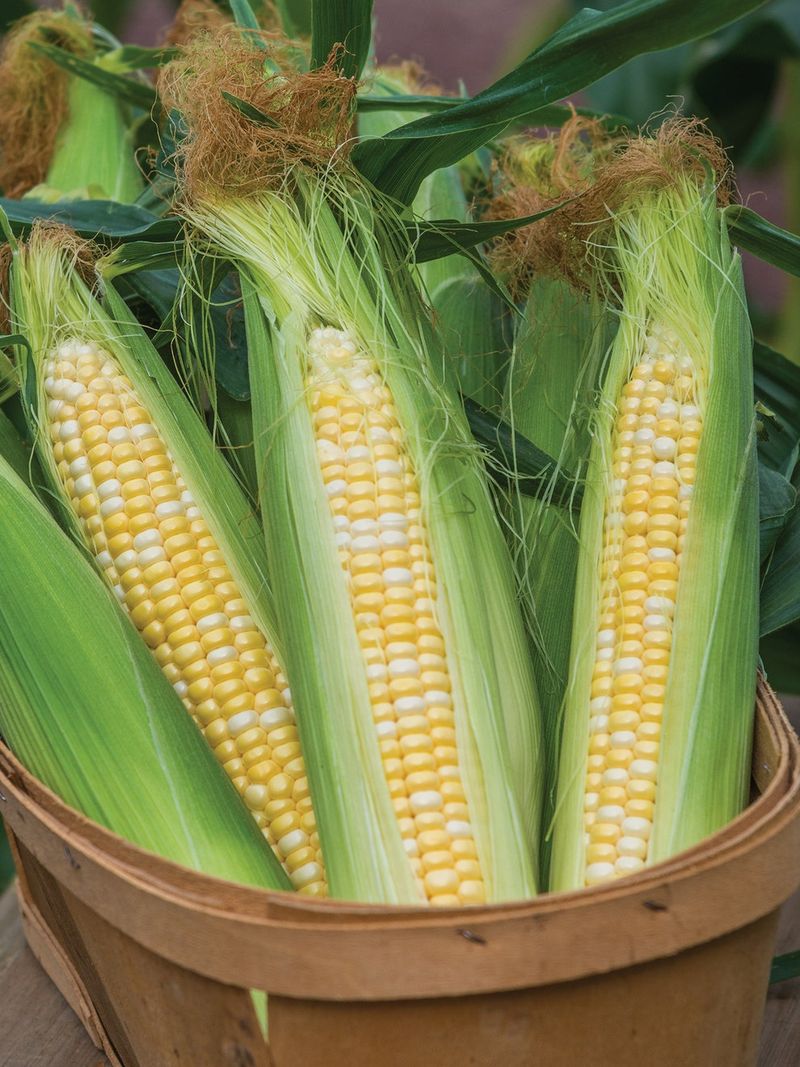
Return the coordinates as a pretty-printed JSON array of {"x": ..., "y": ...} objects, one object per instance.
[{"x": 39, "y": 1029}]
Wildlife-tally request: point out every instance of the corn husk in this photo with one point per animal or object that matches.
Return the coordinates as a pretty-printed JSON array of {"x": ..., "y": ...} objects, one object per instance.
[
  {"x": 562, "y": 337},
  {"x": 87, "y": 710}
]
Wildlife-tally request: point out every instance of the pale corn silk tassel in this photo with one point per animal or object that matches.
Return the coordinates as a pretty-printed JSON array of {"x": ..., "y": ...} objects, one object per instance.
[
  {"x": 383, "y": 547},
  {"x": 157, "y": 552},
  {"x": 655, "y": 441}
]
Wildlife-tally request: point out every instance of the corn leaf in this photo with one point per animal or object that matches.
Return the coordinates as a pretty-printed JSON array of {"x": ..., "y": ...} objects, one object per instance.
[
  {"x": 784, "y": 968},
  {"x": 85, "y": 706},
  {"x": 777, "y": 499},
  {"x": 780, "y": 588},
  {"x": 535, "y": 472},
  {"x": 6, "y": 862},
  {"x": 765, "y": 240},
  {"x": 776, "y": 382},
  {"x": 92, "y": 218},
  {"x": 341, "y": 22},
  {"x": 443, "y": 237},
  {"x": 127, "y": 90},
  {"x": 588, "y": 46}
]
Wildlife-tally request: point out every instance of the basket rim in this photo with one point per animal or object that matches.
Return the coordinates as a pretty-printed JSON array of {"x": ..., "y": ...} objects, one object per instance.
[{"x": 292, "y": 946}]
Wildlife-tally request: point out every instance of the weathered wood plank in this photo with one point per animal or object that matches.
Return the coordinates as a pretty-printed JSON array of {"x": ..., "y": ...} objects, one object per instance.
[{"x": 39, "y": 1028}]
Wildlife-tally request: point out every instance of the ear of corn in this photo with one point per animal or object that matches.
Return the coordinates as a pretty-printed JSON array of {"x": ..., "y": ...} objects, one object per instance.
[
  {"x": 84, "y": 706},
  {"x": 659, "y": 710},
  {"x": 561, "y": 338},
  {"x": 414, "y": 693},
  {"x": 140, "y": 484}
]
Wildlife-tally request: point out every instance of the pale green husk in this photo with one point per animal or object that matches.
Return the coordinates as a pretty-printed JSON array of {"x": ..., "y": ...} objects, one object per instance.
[
  {"x": 676, "y": 268},
  {"x": 300, "y": 271},
  {"x": 85, "y": 707},
  {"x": 93, "y": 157},
  {"x": 562, "y": 337}
]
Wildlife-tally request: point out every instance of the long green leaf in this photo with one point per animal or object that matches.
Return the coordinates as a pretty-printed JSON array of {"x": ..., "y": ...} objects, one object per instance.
[
  {"x": 92, "y": 218},
  {"x": 128, "y": 90},
  {"x": 344, "y": 22},
  {"x": 535, "y": 472},
  {"x": 777, "y": 499},
  {"x": 443, "y": 237},
  {"x": 765, "y": 240},
  {"x": 780, "y": 589},
  {"x": 590, "y": 45},
  {"x": 777, "y": 388},
  {"x": 6, "y": 862}
]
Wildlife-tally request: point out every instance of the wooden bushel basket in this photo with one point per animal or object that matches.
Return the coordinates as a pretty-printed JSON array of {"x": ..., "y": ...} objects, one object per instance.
[{"x": 668, "y": 967}]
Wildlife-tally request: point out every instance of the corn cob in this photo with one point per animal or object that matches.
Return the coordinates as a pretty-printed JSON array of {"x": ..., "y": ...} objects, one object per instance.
[
  {"x": 86, "y": 709},
  {"x": 660, "y": 700},
  {"x": 166, "y": 525}
]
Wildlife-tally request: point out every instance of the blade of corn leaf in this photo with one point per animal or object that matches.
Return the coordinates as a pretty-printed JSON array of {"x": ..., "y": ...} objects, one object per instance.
[
  {"x": 784, "y": 968},
  {"x": 88, "y": 711},
  {"x": 341, "y": 22},
  {"x": 764, "y": 239},
  {"x": 589, "y": 45},
  {"x": 777, "y": 387},
  {"x": 780, "y": 589},
  {"x": 535, "y": 472},
  {"x": 92, "y": 219},
  {"x": 128, "y": 90},
  {"x": 777, "y": 498}
]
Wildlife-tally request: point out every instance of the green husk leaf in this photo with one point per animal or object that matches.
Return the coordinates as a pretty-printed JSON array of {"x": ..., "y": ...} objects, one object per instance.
[
  {"x": 85, "y": 707},
  {"x": 54, "y": 304},
  {"x": 559, "y": 347}
]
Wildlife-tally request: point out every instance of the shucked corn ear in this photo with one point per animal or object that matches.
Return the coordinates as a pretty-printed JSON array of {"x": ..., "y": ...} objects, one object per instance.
[
  {"x": 656, "y": 749},
  {"x": 86, "y": 709},
  {"x": 562, "y": 337},
  {"x": 413, "y": 688},
  {"x": 144, "y": 489}
]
